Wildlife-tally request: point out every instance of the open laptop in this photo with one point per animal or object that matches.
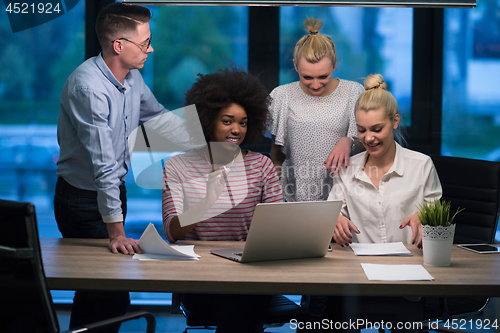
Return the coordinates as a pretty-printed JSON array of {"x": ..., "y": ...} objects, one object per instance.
[{"x": 287, "y": 230}]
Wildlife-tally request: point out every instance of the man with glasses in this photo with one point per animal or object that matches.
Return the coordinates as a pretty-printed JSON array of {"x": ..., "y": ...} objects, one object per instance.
[
  {"x": 143, "y": 46},
  {"x": 102, "y": 102}
]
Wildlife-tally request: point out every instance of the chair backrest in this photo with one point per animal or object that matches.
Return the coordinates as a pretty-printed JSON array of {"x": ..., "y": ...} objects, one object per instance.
[
  {"x": 473, "y": 185},
  {"x": 26, "y": 301}
]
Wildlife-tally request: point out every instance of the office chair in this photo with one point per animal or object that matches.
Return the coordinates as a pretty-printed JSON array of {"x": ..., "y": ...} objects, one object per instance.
[
  {"x": 475, "y": 186},
  {"x": 27, "y": 305},
  {"x": 279, "y": 311}
]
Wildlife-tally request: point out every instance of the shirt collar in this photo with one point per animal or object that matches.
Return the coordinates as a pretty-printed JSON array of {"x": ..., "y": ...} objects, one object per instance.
[
  {"x": 397, "y": 167},
  {"x": 399, "y": 164},
  {"x": 127, "y": 82},
  {"x": 360, "y": 169}
]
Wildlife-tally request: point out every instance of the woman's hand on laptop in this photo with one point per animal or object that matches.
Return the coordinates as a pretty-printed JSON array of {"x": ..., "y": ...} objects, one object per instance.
[{"x": 342, "y": 234}]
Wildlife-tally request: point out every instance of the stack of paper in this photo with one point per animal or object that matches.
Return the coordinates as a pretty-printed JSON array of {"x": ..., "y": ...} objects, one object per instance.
[
  {"x": 396, "y": 272},
  {"x": 155, "y": 248},
  {"x": 380, "y": 249}
]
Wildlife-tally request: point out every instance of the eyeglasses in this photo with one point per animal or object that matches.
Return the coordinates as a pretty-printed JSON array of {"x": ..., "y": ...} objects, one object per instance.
[{"x": 143, "y": 46}]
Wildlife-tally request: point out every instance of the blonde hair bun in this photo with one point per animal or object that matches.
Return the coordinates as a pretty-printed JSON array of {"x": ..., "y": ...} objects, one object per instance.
[
  {"x": 313, "y": 25},
  {"x": 375, "y": 81},
  {"x": 314, "y": 46},
  {"x": 377, "y": 97}
]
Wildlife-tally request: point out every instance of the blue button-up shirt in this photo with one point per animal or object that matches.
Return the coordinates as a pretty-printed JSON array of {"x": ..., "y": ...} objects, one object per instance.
[{"x": 98, "y": 114}]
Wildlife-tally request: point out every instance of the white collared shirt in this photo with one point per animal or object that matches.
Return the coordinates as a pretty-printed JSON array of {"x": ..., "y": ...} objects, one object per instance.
[{"x": 377, "y": 213}]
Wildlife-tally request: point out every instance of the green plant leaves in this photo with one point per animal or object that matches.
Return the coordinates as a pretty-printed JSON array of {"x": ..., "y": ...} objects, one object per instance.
[{"x": 436, "y": 213}]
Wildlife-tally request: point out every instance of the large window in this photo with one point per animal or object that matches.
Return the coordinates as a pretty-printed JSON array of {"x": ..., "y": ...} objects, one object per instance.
[
  {"x": 194, "y": 39},
  {"x": 367, "y": 41},
  {"x": 471, "y": 68},
  {"x": 191, "y": 40},
  {"x": 35, "y": 64}
]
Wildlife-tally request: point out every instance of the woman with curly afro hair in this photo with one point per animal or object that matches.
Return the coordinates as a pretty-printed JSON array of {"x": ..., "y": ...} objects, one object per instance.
[
  {"x": 210, "y": 193},
  {"x": 213, "y": 92}
]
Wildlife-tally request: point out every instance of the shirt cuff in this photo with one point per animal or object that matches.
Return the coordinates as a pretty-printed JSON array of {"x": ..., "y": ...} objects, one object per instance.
[{"x": 112, "y": 219}]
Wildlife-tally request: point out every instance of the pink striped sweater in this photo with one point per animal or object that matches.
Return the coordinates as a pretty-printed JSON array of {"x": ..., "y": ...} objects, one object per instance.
[{"x": 250, "y": 181}]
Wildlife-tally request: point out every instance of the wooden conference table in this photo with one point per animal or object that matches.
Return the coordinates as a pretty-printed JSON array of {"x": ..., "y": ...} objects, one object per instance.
[{"x": 88, "y": 264}]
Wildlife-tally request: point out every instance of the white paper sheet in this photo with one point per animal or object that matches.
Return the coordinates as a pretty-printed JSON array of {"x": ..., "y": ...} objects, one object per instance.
[
  {"x": 396, "y": 272},
  {"x": 155, "y": 248},
  {"x": 380, "y": 249}
]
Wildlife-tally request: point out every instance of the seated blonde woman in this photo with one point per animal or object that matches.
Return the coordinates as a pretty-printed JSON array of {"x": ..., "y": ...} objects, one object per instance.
[
  {"x": 383, "y": 185},
  {"x": 381, "y": 190}
]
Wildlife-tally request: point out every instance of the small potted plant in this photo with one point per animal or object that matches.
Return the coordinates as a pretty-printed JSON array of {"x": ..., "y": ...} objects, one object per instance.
[{"x": 437, "y": 232}]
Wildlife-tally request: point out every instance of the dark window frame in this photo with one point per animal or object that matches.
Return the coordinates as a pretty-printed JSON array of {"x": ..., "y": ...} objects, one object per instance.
[
  {"x": 92, "y": 9},
  {"x": 424, "y": 135}
]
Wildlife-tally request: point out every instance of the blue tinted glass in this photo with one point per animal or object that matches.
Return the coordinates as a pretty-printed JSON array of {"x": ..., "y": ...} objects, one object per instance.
[
  {"x": 471, "y": 67},
  {"x": 193, "y": 39},
  {"x": 367, "y": 41},
  {"x": 35, "y": 64}
]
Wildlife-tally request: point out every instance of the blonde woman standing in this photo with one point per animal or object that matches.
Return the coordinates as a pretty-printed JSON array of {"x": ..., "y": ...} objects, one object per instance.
[{"x": 313, "y": 124}]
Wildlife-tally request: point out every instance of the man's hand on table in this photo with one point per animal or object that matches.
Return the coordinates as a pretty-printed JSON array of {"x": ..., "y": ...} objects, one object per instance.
[{"x": 118, "y": 242}]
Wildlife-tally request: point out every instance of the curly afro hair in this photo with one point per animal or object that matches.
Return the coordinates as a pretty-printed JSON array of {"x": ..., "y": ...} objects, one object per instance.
[{"x": 213, "y": 92}]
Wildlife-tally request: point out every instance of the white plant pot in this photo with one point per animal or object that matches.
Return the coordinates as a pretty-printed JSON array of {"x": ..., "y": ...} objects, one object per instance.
[{"x": 437, "y": 243}]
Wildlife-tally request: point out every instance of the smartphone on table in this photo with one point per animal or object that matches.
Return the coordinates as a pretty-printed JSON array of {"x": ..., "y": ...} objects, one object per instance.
[{"x": 480, "y": 248}]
